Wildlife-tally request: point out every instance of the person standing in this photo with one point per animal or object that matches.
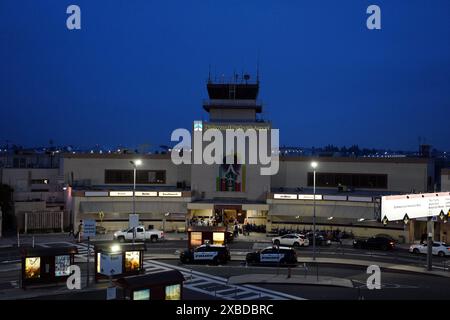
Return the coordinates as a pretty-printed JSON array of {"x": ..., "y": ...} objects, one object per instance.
[{"x": 80, "y": 229}]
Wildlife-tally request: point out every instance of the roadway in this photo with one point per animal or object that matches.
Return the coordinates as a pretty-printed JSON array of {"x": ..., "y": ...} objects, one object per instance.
[{"x": 211, "y": 282}]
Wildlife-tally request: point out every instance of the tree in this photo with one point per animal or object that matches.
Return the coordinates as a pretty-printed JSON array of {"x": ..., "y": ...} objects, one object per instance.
[{"x": 9, "y": 220}]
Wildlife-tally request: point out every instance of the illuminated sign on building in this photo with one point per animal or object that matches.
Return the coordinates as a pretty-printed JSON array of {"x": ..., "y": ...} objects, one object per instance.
[
  {"x": 121, "y": 193},
  {"x": 285, "y": 196},
  {"x": 146, "y": 193},
  {"x": 169, "y": 194},
  {"x": 309, "y": 197}
]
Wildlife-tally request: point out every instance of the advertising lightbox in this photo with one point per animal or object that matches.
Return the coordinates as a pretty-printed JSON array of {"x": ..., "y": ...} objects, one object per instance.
[{"x": 415, "y": 205}]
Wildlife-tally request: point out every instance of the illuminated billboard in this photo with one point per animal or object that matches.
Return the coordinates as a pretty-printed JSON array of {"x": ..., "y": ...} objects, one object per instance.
[
  {"x": 132, "y": 261},
  {"x": 415, "y": 205},
  {"x": 62, "y": 264},
  {"x": 32, "y": 267}
]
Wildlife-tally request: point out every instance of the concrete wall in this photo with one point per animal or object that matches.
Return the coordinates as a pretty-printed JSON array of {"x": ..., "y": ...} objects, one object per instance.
[
  {"x": 117, "y": 210},
  {"x": 232, "y": 114},
  {"x": 21, "y": 179},
  {"x": 402, "y": 176},
  {"x": 92, "y": 169},
  {"x": 445, "y": 180}
]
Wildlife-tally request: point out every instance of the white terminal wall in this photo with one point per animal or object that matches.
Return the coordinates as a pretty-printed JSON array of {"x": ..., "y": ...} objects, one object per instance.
[
  {"x": 402, "y": 176},
  {"x": 92, "y": 169}
]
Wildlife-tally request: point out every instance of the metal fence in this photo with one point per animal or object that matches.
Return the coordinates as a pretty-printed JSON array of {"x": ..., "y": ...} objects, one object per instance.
[{"x": 44, "y": 220}]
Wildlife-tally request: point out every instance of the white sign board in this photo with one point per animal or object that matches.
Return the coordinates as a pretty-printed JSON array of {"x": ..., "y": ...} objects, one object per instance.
[
  {"x": 169, "y": 194},
  {"x": 415, "y": 205},
  {"x": 309, "y": 197},
  {"x": 111, "y": 264},
  {"x": 121, "y": 193},
  {"x": 133, "y": 221},
  {"x": 146, "y": 193},
  {"x": 89, "y": 226},
  {"x": 285, "y": 196}
]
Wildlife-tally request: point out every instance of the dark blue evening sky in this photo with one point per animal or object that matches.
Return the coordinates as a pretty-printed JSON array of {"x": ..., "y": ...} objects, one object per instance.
[{"x": 137, "y": 69}]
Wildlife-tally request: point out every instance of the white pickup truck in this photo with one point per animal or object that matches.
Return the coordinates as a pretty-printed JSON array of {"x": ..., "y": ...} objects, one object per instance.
[{"x": 140, "y": 235}]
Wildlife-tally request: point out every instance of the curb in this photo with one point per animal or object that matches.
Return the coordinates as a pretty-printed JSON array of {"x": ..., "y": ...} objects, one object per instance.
[{"x": 331, "y": 261}]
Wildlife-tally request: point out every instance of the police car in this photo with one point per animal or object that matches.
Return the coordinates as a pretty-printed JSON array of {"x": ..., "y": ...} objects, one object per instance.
[
  {"x": 215, "y": 254},
  {"x": 273, "y": 256}
]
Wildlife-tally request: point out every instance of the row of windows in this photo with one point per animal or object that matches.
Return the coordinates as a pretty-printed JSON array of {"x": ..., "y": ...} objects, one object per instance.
[
  {"x": 354, "y": 180},
  {"x": 142, "y": 176}
]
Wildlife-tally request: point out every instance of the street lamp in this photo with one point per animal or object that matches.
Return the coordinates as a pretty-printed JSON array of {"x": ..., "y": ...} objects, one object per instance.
[
  {"x": 314, "y": 166},
  {"x": 164, "y": 221},
  {"x": 135, "y": 164}
]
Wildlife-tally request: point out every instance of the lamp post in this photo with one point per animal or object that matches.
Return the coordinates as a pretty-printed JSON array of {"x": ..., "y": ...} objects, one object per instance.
[
  {"x": 314, "y": 166},
  {"x": 135, "y": 164},
  {"x": 164, "y": 221}
]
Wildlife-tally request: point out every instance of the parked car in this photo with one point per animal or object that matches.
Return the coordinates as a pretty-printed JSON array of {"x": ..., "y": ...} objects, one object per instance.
[
  {"x": 293, "y": 240},
  {"x": 440, "y": 249},
  {"x": 273, "y": 256},
  {"x": 100, "y": 230},
  {"x": 320, "y": 239},
  {"x": 206, "y": 253},
  {"x": 378, "y": 243},
  {"x": 140, "y": 234}
]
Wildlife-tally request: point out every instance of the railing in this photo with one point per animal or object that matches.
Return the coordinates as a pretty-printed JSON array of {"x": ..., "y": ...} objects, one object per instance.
[
  {"x": 44, "y": 220},
  {"x": 231, "y": 102}
]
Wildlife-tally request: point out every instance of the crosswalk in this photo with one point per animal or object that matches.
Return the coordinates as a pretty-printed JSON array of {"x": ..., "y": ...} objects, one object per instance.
[{"x": 217, "y": 287}]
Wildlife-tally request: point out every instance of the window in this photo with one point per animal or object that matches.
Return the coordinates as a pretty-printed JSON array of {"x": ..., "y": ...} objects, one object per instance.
[
  {"x": 218, "y": 238},
  {"x": 141, "y": 294},
  {"x": 354, "y": 180},
  {"x": 196, "y": 239},
  {"x": 173, "y": 292},
  {"x": 142, "y": 176}
]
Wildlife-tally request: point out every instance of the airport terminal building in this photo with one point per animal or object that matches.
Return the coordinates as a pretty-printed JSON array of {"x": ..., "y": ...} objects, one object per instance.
[{"x": 169, "y": 196}]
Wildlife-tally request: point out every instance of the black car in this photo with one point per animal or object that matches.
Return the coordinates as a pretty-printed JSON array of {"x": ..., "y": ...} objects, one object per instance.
[
  {"x": 273, "y": 256},
  {"x": 213, "y": 254},
  {"x": 320, "y": 239},
  {"x": 377, "y": 243}
]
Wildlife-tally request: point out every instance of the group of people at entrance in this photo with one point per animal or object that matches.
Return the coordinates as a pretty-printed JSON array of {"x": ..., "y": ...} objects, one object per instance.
[
  {"x": 232, "y": 225},
  {"x": 243, "y": 229}
]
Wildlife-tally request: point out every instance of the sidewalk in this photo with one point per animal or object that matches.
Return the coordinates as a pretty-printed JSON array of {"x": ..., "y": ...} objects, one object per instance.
[{"x": 42, "y": 292}]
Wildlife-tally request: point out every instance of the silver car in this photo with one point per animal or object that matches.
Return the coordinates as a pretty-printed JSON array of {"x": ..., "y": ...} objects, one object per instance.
[{"x": 440, "y": 249}]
